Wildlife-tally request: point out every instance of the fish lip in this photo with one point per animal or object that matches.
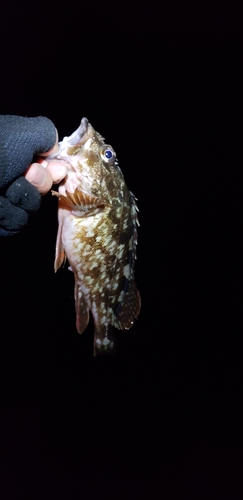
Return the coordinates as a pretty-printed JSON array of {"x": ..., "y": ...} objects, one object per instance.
[
  {"x": 77, "y": 135},
  {"x": 75, "y": 138},
  {"x": 83, "y": 126}
]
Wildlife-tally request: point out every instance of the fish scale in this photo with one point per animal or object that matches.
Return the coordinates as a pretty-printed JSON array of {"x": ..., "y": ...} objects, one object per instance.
[{"x": 97, "y": 233}]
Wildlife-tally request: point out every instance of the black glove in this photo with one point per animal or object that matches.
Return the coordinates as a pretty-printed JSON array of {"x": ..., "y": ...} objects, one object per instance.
[{"x": 20, "y": 140}]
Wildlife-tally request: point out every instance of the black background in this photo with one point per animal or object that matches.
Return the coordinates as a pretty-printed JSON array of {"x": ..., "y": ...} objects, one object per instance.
[{"x": 162, "y": 82}]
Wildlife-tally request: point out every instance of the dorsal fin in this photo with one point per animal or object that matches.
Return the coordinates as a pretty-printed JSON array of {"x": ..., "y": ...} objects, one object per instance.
[{"x": 128, "y": 307}]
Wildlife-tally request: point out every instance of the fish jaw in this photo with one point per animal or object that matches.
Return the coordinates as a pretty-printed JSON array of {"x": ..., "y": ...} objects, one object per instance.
[{"x": 77, "y": 138}]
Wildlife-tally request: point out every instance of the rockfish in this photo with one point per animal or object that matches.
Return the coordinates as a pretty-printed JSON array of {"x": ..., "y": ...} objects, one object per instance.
[{"x": 97, "y": 233}]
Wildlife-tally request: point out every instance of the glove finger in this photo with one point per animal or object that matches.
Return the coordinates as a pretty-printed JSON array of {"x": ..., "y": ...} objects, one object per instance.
[
  {"x": 21, "y": 139},
  {"x": 12, "y": 218},
  {"x": 22, "y": 194}
]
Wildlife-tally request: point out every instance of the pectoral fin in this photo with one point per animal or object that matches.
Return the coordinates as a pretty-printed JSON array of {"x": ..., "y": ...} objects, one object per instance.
[{"x": 79, "y": 199}]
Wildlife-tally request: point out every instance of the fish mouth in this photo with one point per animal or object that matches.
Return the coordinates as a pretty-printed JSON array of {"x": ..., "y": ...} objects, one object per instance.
[{"x": 78, "y": 137}]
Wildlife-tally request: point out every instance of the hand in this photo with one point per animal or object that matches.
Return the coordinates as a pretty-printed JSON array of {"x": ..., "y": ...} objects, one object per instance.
[
  {"x": 43, "y": 174},
  {"x": 22, "y": 180}
]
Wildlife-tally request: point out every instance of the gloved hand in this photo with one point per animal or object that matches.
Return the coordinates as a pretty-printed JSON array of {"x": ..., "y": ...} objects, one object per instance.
[{"x": 20, "y": 140}]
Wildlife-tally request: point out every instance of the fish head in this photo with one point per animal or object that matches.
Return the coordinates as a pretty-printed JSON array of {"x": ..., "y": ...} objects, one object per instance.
[{"x": 89, "y": 160}]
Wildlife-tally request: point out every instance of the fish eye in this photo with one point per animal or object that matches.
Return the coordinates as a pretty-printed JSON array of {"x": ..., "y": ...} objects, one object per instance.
[{"x": 108, "y": 154}]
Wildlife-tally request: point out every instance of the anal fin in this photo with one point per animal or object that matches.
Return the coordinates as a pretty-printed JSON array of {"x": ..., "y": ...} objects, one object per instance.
[{"x": 82, "y": 310}]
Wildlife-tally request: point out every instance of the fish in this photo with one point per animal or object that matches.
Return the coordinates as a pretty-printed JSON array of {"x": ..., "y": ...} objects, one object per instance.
[{"x": 97, "y": 234}]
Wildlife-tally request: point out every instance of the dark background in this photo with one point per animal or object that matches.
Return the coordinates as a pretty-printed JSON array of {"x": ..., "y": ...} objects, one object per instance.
[{"x": 162, "y": 82}]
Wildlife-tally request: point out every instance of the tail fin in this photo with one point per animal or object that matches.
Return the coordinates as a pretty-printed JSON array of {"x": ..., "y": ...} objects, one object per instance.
[{"x": 104, "y": 343}]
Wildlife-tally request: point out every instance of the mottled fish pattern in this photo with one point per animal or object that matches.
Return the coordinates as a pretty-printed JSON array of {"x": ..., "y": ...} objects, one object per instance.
[{"x": 98, "y": 234}]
